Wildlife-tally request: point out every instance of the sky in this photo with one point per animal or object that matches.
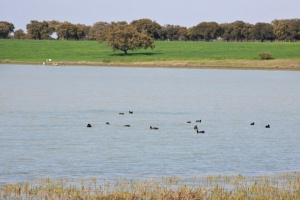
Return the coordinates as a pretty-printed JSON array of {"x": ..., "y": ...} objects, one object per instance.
[{"x": 186, "y": 13}]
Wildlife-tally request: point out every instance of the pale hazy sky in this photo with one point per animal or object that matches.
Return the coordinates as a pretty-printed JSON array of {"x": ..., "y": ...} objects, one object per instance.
[{"x": 177, "y": 12}]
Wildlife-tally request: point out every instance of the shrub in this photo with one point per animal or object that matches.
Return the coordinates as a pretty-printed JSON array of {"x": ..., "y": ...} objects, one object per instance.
[
  {"x": 265, "y": 56},
  {"x": 105, "y": 60}
]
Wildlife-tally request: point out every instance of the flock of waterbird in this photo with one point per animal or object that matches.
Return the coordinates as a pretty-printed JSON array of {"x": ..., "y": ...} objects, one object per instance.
[
  {"x": 267, "y": 126},
  {"x": 153, "y": 127},
  {"x": 156, "y": 128}
]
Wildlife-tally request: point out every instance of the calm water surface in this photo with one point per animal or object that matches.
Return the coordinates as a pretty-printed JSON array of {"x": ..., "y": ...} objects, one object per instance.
[{"x": 44, "y": 112}]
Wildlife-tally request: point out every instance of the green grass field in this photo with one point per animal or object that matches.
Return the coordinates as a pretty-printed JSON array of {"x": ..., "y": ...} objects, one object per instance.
[{"x": 91, "y": 51}]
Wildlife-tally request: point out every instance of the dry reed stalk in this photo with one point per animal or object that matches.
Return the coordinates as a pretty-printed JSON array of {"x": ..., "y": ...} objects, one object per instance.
[{"x": 284, "y": 186}]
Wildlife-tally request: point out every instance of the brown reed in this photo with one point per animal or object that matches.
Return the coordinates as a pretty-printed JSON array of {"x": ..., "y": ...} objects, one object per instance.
[{"x": 280, "y": 186}]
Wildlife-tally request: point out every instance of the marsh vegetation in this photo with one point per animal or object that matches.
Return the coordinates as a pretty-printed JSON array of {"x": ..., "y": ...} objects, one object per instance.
[{"x": 281, "y": 186}]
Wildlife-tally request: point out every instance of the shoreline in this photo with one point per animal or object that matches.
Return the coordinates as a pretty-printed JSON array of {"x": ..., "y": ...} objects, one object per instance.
[{"x": 285, "y": 65}]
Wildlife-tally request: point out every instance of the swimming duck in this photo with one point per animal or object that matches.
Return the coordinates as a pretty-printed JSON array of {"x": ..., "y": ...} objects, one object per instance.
[
  {"x": 89, "y": 126},
  {"x": 268, "y": 126},
  {"x": 188, "y": 122},
  {"x": 196, "y": 127},
  {"x": 107, "y": 123},
  {"x": 200, "y": 131},
  {"x": 130, "y": 112},
  {"x": 252, "y": 123},
  {"x": 198, "y": 120},
  {"x": 155, "y": 128},
  {"x": 126, "y": 125}
]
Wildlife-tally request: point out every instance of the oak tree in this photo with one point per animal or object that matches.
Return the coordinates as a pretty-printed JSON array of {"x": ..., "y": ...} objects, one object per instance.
[
  {"x": 205, "y": 31},
  {"x": 69, "y": 31},
  {"x": 125, "y": 37},
  {"x": 151, "y": 27},
  {"x": 262, "y": 31},
  {"x": 227, "y": 30},
  {"x": 97, "y": 30},
  {"x": 280, "y": 28},
  {"x": 19, "y": 34},
  {"x": 173, "y": 32},
  {"x": 241, "y": 31},
  {"x": 5, "y": 29},
  {"x": 294, "y": 29},
  {"x": 39, "y": 30}
]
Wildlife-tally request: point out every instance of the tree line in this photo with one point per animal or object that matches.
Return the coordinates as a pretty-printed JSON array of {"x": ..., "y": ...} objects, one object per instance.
[{"x": 282, "y": 30}]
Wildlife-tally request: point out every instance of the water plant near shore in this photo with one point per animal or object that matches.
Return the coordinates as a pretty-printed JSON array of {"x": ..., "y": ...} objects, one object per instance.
[{"x": 282, "y": 186}]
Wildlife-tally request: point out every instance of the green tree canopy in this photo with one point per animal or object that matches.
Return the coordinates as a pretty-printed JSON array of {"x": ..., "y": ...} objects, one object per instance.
[
  {"x": 262, "y": 31},
  {"x": 280, "y": 28},
  {"x": 286, "y": 29},
  {"x": 85, "y": 31},
  {"x": 97, "y": 30},
  {"x": 168, "y": 32},
  {"x": 39, "y": 30},
  {"x": 283, "y": 29},
  {"x": 19, "y": 34},
  {"x": 151, "y": 27},
  {"x": 172, "y": 32},
  {"x": 69, "y": 31},
  {"x": 5, "y": 29},
  {"x": 125, "y": 37},
  {"x": 227, "y": 30},
  {"x": 205, "y": 31},
  {"x": 294, "y": 29},
  {"x": 241, "y": 30}
]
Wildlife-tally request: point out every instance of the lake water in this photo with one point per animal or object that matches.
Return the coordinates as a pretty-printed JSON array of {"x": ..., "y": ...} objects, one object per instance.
[{"x": 44, "y": 112}]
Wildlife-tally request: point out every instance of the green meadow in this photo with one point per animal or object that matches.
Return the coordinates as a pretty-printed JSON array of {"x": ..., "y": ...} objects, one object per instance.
[{"x": 37, "y": 51}]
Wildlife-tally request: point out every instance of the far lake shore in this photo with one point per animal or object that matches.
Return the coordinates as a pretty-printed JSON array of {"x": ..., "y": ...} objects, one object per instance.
[
  {"x": 175, "y": 54},
  {"x": 289, "y": 65}
]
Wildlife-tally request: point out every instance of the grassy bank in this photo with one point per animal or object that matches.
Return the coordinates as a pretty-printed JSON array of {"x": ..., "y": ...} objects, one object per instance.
[
  {"x": 166, "y": 54},
  {"x": 283, "y": 186}
]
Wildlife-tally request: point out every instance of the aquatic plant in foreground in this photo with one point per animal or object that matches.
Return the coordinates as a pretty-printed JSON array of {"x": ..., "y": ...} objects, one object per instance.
[{"x": 282, "y": 186}]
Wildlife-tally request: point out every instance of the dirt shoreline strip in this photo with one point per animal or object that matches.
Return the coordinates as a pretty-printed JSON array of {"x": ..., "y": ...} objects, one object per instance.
[{"x": 293, "y": 65}]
